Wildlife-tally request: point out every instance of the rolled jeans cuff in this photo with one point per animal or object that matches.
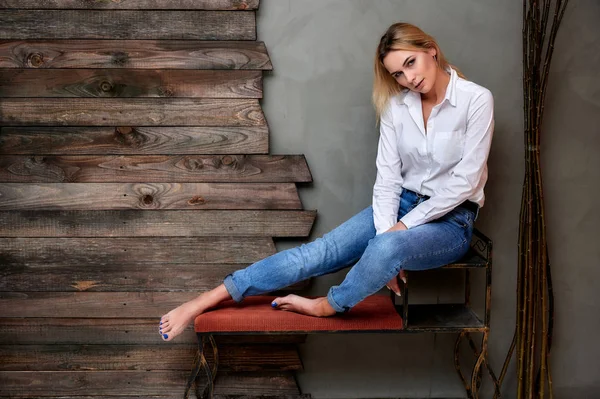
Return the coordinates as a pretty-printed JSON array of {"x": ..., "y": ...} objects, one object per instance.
[
  {"x": 334, "y": 304},
  {"x": 232, "y": 289}
]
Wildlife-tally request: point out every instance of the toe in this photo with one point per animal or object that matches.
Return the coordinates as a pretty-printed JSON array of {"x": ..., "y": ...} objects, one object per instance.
[
  {"x": 166, "y": 329},
  {"x": 277, "y": 302}
]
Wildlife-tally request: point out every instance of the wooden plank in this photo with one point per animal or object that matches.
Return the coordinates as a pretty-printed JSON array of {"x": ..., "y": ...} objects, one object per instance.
[
  {"x": 64, "y": 276},
  {"x": 127, "y": 24},
  {"x": 133, "y": 4},
  {"x": 134, "y": 140},
  {"x": 156, "y": 224},
  {"x": 92, "y": 304},
  {"x": 133, "y": 111},
  {"x": 145, "y": 357},
  {"x": 157, "y": 169},
  {"x": 115, "y": 83},
  {"x": 118, "y": 331},
  {"x": 145, "y": 196},
  {"x": 138, "y": 54},
  {"x": 96, "y": 357},
  {"x": 274, "y": 383},
  {"x": 91, "y": 383},
  {"x": 161, "y": 250},
  {"x": 136, "y": 383},
  {"x": 66, "y": 331}
]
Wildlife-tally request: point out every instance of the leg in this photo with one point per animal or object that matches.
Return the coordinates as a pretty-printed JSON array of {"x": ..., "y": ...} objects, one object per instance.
[
  {"x": 427, "y": 246},
  {"x": 335, "y": 250}
]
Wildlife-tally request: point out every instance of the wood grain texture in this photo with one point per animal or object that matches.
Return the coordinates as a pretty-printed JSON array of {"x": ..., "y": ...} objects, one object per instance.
[
  {"x": 133, "y": 111},
  {"x": 145, "y": 357},
  {"x": 75, "y": 331},
  {"x": 156, "y": 224},
  {"x": 90, "y": 383},
  {"x": 121, "y": 83},
  {"x": 115, "y": 331},
  {"x": 158, "y": 250},
  {"x": 127, "y": 24},
  {"x": 274, "y": 383},
  {"x": 145, "y": 196},
  {"x": 137, "y": 277},
  {"x": 137, "y": 54},
  {"x": 137, "y": 383},
  {"x": 64, "y": 277},
  {"x": 133, "y": 140},
  {"x": 154, "y": 169},
  {"x": 91, "y": 304},
  {"x": 133, "y": 4}
]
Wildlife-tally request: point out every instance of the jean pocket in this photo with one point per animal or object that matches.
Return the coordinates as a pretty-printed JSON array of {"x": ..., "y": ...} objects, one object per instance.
[{"x": 463, "y": 217}]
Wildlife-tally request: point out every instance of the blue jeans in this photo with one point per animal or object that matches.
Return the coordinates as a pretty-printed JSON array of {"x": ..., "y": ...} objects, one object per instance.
[{"x": 378, "y": 258}]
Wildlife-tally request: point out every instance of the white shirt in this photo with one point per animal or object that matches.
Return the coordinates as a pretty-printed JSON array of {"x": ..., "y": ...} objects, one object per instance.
[{"x": 447, "y": 163}]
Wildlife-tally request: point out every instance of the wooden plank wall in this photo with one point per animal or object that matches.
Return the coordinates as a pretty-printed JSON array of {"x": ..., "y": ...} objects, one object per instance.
[{"x": 134, "y": 174}]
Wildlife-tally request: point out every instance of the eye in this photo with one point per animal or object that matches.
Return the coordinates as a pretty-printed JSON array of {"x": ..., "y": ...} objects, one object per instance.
[{"x": 411, "y": 62}]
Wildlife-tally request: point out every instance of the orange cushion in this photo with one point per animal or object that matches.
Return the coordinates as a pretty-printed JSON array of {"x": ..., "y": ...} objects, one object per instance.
[{"x": 255, "y": 314}]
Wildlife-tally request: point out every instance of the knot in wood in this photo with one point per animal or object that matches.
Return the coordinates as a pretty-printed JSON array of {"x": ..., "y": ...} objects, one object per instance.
[
  {"x": 120, "y": 58},
  {"x": 197, "y": 200},
  {"x": 147, "y": 199},
  {"x": 165, "y": 92},
  {"x": 124, "y": 129},
  {"x": 106, "y": 86},
  {"x": 194, "y": 164},
  {"x": 35, "y": 60},
  {"x": 227, "y": 160}
]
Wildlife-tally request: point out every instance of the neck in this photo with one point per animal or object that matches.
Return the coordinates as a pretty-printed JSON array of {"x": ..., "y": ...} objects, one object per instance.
[{"x": 437, "y": 93}]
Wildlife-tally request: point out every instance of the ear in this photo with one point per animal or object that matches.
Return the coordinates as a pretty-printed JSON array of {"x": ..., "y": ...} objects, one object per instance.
[{"x": 432, "y": 51}]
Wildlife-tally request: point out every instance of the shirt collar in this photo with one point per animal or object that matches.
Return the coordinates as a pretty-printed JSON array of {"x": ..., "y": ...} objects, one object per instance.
[{"x": 408, "y": 97}]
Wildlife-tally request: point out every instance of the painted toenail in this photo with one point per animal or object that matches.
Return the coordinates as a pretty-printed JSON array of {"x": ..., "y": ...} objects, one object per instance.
[
  {"x": 160, "y": 323},
  {"x": 274, "y": 304},
  {"x": 165, "y": 336}
]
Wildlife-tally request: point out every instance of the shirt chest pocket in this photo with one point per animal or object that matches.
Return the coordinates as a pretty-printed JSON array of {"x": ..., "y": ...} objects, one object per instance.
[{"x": 448, "y": 146}]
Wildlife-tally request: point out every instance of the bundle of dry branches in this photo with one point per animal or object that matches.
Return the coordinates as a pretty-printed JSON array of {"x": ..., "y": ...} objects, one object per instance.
[{"x": 535, "y": 302}]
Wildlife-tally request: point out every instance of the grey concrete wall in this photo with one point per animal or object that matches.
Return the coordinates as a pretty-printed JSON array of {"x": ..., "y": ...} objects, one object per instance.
[{"x": 317, "y": 103}]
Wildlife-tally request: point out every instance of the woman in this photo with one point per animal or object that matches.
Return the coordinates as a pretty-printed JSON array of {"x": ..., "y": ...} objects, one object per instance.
[{"x": 435, "y": 135}]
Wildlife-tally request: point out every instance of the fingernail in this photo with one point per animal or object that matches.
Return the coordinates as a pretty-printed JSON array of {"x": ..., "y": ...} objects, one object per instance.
[
  {"x": 165, "y": 336},
  {"x": 398, "y": 293},
  {"x": 404, "y": 279},
  {"x": 274, "y": 304}
]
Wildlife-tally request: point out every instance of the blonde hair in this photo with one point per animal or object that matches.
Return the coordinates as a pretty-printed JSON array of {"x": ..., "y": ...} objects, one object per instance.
[{"x": 407, "y": 37}]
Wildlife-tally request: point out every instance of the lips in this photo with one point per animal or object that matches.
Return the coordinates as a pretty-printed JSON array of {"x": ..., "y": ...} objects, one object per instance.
[{"x": 419, "y": 85}]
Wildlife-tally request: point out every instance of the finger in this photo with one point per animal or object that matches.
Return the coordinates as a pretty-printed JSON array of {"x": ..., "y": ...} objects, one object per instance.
[
  {"x": 403, "y": 276},
  {"x": 393, "y": 285}
]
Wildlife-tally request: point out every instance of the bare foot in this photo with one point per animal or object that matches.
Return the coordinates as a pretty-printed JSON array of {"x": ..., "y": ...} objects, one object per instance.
[
  {"x": 174, "y": 323},
  {"x": 318, "y": 307}
]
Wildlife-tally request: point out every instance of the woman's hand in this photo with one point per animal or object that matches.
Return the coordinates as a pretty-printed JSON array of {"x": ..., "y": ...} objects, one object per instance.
[
  {"x": 393, "y": 283},
  {"x": 397, "y": 227}
]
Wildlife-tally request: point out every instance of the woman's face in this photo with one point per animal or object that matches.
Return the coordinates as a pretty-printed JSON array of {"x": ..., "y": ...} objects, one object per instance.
[{"x": 415, "y": 70}]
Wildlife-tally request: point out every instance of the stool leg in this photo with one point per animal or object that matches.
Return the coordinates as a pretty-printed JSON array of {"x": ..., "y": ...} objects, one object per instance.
[
  {"x": 195, "y": 370},
  {"x": 211, "y": 373},
  {"x": 457, "y": 364}
]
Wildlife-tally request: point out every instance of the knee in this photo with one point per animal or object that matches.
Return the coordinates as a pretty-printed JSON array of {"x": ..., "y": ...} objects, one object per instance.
[{"x": 385, "y": 247}]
